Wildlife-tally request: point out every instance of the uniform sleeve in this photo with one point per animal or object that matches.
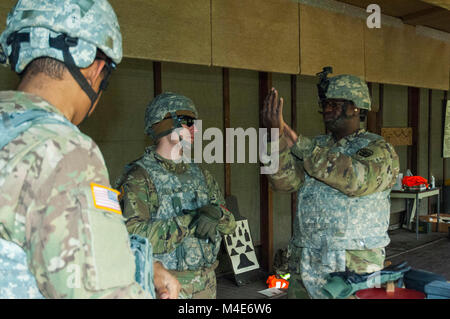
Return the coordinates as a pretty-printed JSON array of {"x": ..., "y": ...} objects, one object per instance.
[
  {"x": 373, "y": 168},
  {"x": 227, "y": 223},
  {"x": 78, "y": 246},
  {"x": 139, "y": 202},
  {"x": 290, "y": 174}
]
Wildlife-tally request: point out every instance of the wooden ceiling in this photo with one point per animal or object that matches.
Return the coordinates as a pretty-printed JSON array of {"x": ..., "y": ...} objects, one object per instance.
[{"x": 430, "y": 13}]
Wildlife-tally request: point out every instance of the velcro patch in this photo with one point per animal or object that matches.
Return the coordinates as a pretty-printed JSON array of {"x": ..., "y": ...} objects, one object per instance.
[
  {"x": 365, "y": 152},
  {"x": 106, "y": 198}
]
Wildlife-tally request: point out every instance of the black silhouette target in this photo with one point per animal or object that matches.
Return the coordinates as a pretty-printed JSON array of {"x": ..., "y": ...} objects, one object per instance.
[{"x": 240, "y": 248}]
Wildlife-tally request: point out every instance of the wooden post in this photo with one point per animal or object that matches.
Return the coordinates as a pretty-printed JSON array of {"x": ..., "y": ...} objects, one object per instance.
[
  {"x": 375, "y": 119},
  {"x": 413, "y": 121},
  {"x": 226, "y": 124},
  {"x": 266, "y": 207},
  {"x": 443, "y": 205},
  {"x": 371, "y": 115},
  {"x": 430, "y": 96},
  {"x": 444, "y": 162},
  {"x": 294, "y": 127},
  {"x": 157, "y": 82},
  {"x": 379, "y": 121}
]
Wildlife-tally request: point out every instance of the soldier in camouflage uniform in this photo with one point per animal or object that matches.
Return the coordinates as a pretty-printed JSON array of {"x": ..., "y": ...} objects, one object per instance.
[
  {"x": 174, "y": 203},
  {"x": 61, "y": 230},
  {"x": 343, "y": 180}
]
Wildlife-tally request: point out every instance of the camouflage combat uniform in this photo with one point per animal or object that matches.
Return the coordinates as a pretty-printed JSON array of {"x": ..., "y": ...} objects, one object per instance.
[
  {"x": 61, "y": 230},
  {"x": 46, "y": 177},
  {"x": 343, "y": 204},
  {"x": 140, "y": 204},
  {"x": 158, "y": 198}
]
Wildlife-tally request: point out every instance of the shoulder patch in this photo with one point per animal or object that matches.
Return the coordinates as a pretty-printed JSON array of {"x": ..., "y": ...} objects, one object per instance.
[
  {"x": 106, "y": 198},
  {"x": 365, "y": 152}
]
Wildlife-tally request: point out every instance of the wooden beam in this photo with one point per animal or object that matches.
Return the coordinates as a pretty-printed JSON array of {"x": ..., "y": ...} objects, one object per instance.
[
  {"x": 157, "y": 82},
  {"x": 266, "y": 207},
  {"x": 226, "y": 124},
  {"x": 413, "y": 121},
  {"x": 422, "y": 16},
  {"x": 294, "y": 127},
  {"x": 440, "y": 3}
]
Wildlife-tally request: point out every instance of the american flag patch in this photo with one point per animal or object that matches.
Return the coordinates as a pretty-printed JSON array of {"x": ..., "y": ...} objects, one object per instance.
[{"x": 106, "y": 198}]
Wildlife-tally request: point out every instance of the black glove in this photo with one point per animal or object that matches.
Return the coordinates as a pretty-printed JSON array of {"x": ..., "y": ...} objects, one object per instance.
[{"x": 206, "y": 220}]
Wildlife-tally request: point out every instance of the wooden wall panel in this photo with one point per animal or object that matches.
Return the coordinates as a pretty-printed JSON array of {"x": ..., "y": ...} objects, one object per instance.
[
  {"x": 329, "y": 38},
  {"x": 434, "y": 57},
  {"x": 399, "y": 56},
  {"x": 169, "y": 30},
  {"x": 385, "y": 52},
  {"x": 256, "y": 35}
]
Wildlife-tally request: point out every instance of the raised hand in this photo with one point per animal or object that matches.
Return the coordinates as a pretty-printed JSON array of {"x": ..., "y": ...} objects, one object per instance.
[{"x": 272, "y": 113}]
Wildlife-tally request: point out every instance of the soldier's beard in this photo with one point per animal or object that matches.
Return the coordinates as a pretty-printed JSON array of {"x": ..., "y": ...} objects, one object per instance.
[{"x": 336, "y": 124}]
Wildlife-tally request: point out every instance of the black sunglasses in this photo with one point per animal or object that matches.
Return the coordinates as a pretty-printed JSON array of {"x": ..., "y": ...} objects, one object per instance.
[{"x": 186, "y": 120}]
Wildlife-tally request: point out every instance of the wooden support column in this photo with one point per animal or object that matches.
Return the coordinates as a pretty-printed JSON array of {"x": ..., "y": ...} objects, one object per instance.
[
  {"x": 265, "y": 194},
  {"x": 371, "y": 115},
  {"x": 444, "y": 161},
  {"x": 375, "y": 118},
  {"x": 226, "y": 124},
  {"x": 157, "y": 82},
  {"x": 294, "y": 127},
  {"x": 413, "y": 121},
  {"x": 379, "y": 121},
  {"x": 430, "y": 107}
]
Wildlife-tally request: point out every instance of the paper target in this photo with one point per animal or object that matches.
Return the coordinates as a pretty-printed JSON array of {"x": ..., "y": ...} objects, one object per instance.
[{"x": 240, "y": 248}]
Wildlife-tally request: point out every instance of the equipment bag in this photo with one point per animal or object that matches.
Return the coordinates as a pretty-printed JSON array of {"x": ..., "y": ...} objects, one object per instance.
[
  {"x": 143, "y": 254},
  {"x": 438, "y": 290},
  {"x": 418, "y": 279},
  {"x": 341, "y": 285}
]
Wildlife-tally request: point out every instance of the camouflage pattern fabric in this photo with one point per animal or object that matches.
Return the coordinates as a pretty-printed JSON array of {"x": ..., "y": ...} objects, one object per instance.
[
  {"x": 16, "y": 280},
  {"x": 178, "y": 193},
  {"x": 93, "y": 23},
  {"x": 48, "y": 210},
  {"x": 343, "y": 204},
  {"x": 351, "y": 88},
  {"x": 159, "y": 216},
  {"x": 166, "y": 103},
  {"x": 200, "y": 284},
  {"x": 360, "y": 261}
]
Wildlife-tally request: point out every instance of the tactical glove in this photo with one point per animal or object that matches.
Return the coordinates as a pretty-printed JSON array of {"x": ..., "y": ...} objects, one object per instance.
[{"x": 206, "y": 220}]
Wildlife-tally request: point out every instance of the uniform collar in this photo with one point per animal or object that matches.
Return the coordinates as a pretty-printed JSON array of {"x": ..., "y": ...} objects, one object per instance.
[
  {"x": 27, "y": 101},
  {"x": 168, "y": 164},
  {"x": 347, "y": 138}
]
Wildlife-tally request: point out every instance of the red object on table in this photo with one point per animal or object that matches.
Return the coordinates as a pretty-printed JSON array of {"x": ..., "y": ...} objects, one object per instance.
[
  {"x": 411, "y": 181},
  {"x": 275, "y": 282},
  {"x": 381, "y": 293}
]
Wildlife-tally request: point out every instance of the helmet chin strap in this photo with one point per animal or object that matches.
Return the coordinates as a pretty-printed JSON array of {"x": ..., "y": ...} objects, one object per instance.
[{"x": 63, "y": 43}]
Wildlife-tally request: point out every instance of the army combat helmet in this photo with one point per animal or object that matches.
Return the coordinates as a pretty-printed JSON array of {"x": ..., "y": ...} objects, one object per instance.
[
  {"x": 166, "y": 112},
  {"x": 69, "y": 31},
  {"x": 345, "y": 86}
]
